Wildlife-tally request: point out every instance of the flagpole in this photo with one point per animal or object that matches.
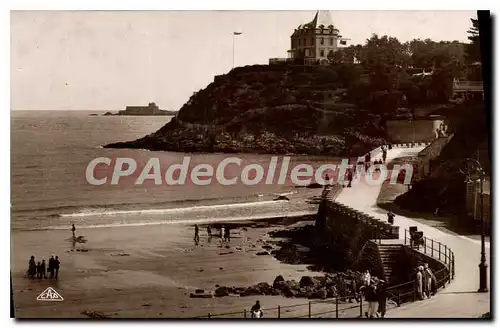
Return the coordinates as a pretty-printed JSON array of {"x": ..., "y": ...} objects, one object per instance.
[{"x": 233, "y": 49}]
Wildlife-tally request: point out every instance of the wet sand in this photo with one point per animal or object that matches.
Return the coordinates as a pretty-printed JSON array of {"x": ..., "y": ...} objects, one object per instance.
[{"x": 147, "y": 271}]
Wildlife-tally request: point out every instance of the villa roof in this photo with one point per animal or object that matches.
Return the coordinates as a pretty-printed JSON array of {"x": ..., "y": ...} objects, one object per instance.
[{"x": 322, "y": 18}]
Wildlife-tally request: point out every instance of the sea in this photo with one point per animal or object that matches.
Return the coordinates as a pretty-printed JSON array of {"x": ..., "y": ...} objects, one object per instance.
[{"x": 50, "y": 152}]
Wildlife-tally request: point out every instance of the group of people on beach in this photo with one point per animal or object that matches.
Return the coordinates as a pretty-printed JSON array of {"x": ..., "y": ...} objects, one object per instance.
[
  {"x": 426, "y": 282},
  {"x": 39, "y": 270},
  {"x": 224, "y": 234}
]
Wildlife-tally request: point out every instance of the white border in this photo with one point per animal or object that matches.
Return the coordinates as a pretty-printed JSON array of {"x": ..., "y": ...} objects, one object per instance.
[{"x": 181, "y": 5}]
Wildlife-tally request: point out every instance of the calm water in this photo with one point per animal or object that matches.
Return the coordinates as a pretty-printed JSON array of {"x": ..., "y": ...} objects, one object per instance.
[{"x": 50, "y": 151}]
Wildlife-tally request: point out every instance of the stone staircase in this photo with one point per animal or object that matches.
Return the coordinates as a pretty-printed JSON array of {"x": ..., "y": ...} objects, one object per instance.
[
  {"x": 388, "y": 255},
  {"x": 332, "y": 192}
]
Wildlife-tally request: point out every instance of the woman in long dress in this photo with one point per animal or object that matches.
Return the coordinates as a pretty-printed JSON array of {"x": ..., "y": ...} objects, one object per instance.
[{"x": 420, "y": 282}]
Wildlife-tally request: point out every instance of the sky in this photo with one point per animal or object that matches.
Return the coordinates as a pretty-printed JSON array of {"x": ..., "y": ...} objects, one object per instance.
[{"x": 106, "y": 60}]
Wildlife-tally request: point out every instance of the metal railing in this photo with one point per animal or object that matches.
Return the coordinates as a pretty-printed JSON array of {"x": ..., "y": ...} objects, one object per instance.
[
  {"x": 435, "y": 249},
  {"x": 341, "y": 306}
]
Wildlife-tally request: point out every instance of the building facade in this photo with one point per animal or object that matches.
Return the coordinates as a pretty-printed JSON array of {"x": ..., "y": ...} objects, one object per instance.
[{"x": 315, "y": 40}]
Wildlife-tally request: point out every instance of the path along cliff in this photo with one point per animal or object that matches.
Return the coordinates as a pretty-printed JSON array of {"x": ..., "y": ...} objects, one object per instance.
[{"x": 460, "y": 299}]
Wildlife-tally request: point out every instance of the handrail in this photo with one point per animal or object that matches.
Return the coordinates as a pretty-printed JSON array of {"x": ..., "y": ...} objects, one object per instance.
[
  {"x": 397, "y": 293},
  {"x": 448, "y": 259}
]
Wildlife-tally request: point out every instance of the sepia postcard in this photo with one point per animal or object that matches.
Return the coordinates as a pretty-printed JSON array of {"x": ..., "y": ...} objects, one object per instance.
[{"x": 251, "y": 164}]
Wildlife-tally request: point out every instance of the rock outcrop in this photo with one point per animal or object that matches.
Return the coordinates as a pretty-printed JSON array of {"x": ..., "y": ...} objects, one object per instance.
[
  {"x": 318, "y": 287},
  {"x": 280, "y": 109}
]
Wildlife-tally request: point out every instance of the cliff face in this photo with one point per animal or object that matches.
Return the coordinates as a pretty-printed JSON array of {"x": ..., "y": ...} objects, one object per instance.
[{"x": 269, "y": 109}]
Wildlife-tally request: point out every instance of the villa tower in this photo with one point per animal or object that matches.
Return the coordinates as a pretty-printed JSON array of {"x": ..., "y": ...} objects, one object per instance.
[{"x": 315, "y": 40}]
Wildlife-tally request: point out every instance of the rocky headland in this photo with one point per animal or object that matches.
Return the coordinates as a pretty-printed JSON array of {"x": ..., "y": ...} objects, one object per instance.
[{"x": 278, "y": 109}]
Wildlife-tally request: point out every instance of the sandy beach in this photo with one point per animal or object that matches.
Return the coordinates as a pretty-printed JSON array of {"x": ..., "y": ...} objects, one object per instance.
[{"x": 148, "y": 271}]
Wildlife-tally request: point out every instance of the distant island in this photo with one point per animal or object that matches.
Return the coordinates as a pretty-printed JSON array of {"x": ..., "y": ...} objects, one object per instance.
[{"x": 150, "y": 110}]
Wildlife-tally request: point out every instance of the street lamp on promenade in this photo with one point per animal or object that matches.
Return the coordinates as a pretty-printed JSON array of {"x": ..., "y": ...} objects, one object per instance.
[{"x": 473, "y": 171}]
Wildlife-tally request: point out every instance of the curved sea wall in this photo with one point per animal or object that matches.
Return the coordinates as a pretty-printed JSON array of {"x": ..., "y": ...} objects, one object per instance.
[{"x": 364, "y": 242}]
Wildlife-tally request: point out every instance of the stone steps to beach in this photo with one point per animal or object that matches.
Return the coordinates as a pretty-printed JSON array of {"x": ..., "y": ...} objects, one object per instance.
[{"x": 388, "y": 256}]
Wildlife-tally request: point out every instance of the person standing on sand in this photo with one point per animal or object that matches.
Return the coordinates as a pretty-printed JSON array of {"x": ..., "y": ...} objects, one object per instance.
[
  {"x": 73, "y": 229},
  {"x": 222, "y": 234},
  {"x": 39, "y": 270},
  {"x": 390, "y": 217},
  {"x": 32, "y": 267},
  {"x": 349, "y": 177},
  {"x": 43, "y": 270},
  {"x": 51, "y": 267},
  {"x": 196, "y": 234},
  {"x": 56, "y": 266},
  {"x": 209, "y": 231},
  {"x": 369, "y": 292}
]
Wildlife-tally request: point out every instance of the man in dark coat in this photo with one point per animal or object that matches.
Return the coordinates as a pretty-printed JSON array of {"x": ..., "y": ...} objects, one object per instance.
[
  {"x": 32, "y": 267},
  {"x": 56, "y": 266},
  {"x": 51, "y": 267},
  {"x": 382, "y": 298},
  {"x": 349, "y": 177},
  {"x": 43, "y": 271},
  {"x": 39, "y": 270}
]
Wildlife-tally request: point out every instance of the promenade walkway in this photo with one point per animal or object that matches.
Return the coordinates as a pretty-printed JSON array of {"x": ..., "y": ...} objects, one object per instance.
[{"x": 460, "y": 298}]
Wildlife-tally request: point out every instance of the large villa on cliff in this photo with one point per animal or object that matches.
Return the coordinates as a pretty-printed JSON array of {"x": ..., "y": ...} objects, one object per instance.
[{"x": 313, "y": 41}]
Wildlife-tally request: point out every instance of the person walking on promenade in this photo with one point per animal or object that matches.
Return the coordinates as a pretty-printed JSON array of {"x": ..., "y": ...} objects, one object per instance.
[
  {"x": 384, "y": 154},
  {"x": 56, "y": 266},
  {"x": 227, "y": 237},
  {"x": 382, "y": 298},
  {"x": 420, "y": 292},
  {"x": 196, "y": 234},
  {"x": 209, "y": 230},
  {"x": 390, "y": 217},
  {"x": 349, "y": 177},
  {"x": 73, "y": 229},
  {"x": 369, "y": 291},
  {"x": 430, "y": 279}
]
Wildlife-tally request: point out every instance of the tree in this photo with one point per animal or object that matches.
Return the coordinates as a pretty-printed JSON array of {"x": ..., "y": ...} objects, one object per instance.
[
  {"x": 335, "y": 57},
  {"x": 473, "y": 50}
]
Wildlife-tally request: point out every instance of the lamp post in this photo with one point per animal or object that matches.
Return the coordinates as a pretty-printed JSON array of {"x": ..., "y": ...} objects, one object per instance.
[
  {"x": 234, "y": 33},
  {"x": 473, "y": 171}
]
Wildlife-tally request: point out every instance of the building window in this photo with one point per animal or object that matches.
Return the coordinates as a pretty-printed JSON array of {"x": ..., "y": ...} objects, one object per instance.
[
  {"x": 312, "y": 41},
  {"x": 322, "y": 53},
  {"x": 307, "y": 53},
  {"x": 299, "y": 42},
  {"x": 305, "y": 42},
  {"x": 331, "y": 41},
  {"x": 322, "y": 41}
]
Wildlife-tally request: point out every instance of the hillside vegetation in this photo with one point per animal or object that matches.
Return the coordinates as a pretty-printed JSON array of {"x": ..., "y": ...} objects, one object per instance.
[{"x": 335, "y": 109}]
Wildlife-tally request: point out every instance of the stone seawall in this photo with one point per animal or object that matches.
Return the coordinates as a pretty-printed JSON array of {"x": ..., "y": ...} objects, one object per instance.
[
  {"x": 348, "y": 229},
  {"x": 361, "y": 241}
]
